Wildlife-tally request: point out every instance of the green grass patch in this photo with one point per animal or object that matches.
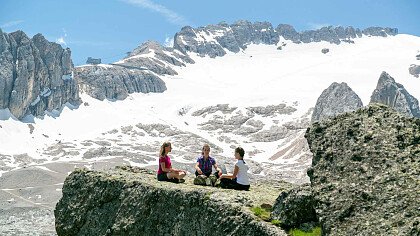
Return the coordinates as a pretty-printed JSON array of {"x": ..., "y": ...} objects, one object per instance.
[
  {"x": 297, "y": 232},
  {"x": 276, "y": 222},
  {"x": 262, "y": 213}
]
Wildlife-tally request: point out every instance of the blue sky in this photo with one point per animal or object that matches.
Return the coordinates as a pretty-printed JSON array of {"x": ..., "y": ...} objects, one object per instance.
[{"x": 108, "y": 29}]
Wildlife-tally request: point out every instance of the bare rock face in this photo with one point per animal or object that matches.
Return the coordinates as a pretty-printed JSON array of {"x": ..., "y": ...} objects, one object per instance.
[
  {"x": 414, "y": 70},
  {"x": 295, "y": 207},
  {"x": 394, "y": 95},
  {"x": 130, "y": 201},
  {"x": 336, "y": 99},
  {"x": 115, "y": 82},
  {"x": 364, "y": 173},
  {"x": 35, "y": 75}
]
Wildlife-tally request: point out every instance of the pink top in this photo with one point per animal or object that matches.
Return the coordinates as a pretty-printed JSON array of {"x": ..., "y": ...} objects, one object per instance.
[{"x": 167, "y": 162}]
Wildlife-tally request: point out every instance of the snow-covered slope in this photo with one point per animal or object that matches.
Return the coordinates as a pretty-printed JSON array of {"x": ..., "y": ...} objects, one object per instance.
[{"x": 268, "y": 92}]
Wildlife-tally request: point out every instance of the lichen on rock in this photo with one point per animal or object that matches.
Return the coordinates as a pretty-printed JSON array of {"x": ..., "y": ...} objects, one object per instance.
[{"x": 130, "y": 201}]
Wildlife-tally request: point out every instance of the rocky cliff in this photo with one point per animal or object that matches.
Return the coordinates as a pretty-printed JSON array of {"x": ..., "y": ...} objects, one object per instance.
[
  {"x": 393, "y": 94},
  {"x": 364, "y": 173},
  {"x": 336, "y": 99},
  {"x": 216, "y": 40},
  {"x": 35, "y": 75},
  {"x": 130, "y": 201},
  {"x": 116, "y": 82}
]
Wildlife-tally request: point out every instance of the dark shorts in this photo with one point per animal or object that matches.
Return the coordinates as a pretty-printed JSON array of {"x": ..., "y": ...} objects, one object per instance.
[
  {"x": 208, "y": 174},
  {"x": 162, "y": 177},
  {"x": 232, "y": 184}
]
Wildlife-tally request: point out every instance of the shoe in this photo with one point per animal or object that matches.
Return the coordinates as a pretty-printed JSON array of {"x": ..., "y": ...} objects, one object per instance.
[
  {"x": 200, "y": 180},
  {"x": 213, "y": 180},
  {"x": 181, "y": 181}
]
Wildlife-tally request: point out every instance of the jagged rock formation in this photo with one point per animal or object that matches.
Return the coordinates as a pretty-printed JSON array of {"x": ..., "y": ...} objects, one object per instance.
[
  {"x": 336, "y": 99},
  {"x": 414, "y": 70},
  {"x": 364, "y": 173},
  {"x": 130, "y": 201},
  {"x": 214, "y": 40},
  {"x": 35, "y": 75},
  {"x": 137, "y": 73},
  {"x": 116, "y": 82},
  {"x": 393, "y": 94},
  {"x": 93, "y": 61},
  {"x": 154, "y": 57}
]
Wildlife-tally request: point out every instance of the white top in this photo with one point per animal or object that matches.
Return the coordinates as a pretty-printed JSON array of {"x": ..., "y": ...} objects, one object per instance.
[{"x": 242, "y": 177}]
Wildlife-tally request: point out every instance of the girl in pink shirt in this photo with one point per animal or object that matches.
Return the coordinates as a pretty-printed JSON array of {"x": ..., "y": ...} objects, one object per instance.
[{"x": 165, "y": 171}]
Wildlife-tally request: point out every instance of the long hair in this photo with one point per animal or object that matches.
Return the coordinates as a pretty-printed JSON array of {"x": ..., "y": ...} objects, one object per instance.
[
  {"x": 241, "y": 152},
  {"x": 204, "y": 146},
  {"x": 162, "y": 148}
]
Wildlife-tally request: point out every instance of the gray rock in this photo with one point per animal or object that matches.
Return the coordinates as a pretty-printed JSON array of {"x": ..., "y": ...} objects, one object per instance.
[
  {"x": 36, "y": 75},
  {"x": 331, "y": 34},
  {"x": 161, "y": 62},
  {"x": 288, "y": 32},
  {"x": 130, "y": 201},
  {"x": 93, "y": 61},
  {"x": 336, "y": 99},
  {"x": 273, "y": 134},
  {"x": 393, "y": 94},
  {"x": 364, "y": 173},
  {"x": 212, "y": 40},
  {"x": 414, "y": 70},
  {"x": 325, "y": 50},
  {"x": 379, "y": 31},
  {"x": 116, "y": 82},
  {"x": 224, "y": 108},
  {"x": 295, "y": 207},
  {"x": 271, "y": 110}
]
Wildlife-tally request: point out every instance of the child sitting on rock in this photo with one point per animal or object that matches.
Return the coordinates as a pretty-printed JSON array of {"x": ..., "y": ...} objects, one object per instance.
[
  {"x": 239, "y": 179},
  {"x": 204, "y": 166}
]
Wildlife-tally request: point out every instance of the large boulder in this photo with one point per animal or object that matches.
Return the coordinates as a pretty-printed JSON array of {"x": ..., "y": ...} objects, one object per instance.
[
  {"x": 394, "y": 95},
  {"x": 364, "y": 173},
  {"x": 35, "y": 75},
  {"x": 130, "y": 201},
  {"x": 295, "y": 208},
  {"x": 336, "y": 99}
]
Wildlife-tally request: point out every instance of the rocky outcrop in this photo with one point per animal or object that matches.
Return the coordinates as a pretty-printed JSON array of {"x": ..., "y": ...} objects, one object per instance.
[
  {"x": 414, "y": 70},
  {"x": 336, "y": 99},
  {"x": 35, "y": 75},
  {"x": 331, "y": 34},
  {"x": 295, "y": 208},
  {"x": 213, "y": 40},
  {"x": 130, "y": 201},
  {"x": 393, "y": 94},
  {"x": 154, "y": 57},
  {"x": 379, "y": 31},
  {"x": 364, "y": 173},
  {"x": 116, "y": 82},
  {"x": 216, "y": 40},
  {"x": 93, "y": 61}
]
